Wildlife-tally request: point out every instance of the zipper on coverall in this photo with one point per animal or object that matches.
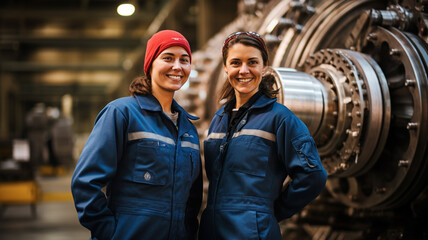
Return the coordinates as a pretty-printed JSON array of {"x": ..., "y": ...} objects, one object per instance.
[{"x": 223, "y": 151}]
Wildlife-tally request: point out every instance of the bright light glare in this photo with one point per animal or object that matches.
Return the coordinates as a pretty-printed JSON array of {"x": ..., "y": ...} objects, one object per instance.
[{"x": 126, "y": 9}]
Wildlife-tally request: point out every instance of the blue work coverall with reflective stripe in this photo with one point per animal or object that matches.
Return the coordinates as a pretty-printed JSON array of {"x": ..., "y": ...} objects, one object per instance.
[
  {"x": 246, "y": 169},
  {"x": 151, "y": 170}
]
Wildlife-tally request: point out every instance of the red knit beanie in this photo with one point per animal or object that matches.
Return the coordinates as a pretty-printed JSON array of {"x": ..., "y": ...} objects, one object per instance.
[{"x": 161, "y": 41}]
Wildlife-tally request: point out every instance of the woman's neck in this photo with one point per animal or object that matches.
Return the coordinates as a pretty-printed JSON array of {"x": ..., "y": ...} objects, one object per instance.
[
  {"x": 165, "y": 101},
  {"x": 241, "y": 99}
]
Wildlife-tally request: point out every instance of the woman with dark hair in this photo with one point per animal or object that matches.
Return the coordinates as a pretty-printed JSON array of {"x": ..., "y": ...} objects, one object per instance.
[
  {"x": 145, "y": 151},
  {"x": 253, "y": 144}
]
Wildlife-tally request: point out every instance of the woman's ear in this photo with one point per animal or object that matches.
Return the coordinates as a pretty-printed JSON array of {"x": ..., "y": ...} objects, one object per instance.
[
  {"x": 265, "y": 68},
  {"x": 225, "y": 69}
]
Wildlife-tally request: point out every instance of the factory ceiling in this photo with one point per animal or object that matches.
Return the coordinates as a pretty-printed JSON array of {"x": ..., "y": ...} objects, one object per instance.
[{"x": 50, "y": 46}]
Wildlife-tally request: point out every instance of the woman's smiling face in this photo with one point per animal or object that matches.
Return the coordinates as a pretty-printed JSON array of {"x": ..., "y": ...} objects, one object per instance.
[
  {"x": 244, "y": 68},
  {"x": 170, "y": 70}
]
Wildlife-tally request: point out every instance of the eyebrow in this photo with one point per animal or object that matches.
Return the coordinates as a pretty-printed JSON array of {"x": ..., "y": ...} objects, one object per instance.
[
  {"x": 251, "y": 58},
  {"x": 171, "y": 54}
]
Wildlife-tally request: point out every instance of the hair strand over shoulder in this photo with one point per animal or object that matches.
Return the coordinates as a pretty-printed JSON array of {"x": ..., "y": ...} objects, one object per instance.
[{"x": 140, "y": 86}]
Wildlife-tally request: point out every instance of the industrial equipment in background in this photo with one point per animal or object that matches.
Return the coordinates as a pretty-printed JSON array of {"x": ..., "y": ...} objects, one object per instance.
[
  {"x": 50, "y": 135},
  {"x": 46, "y": 150},
  {"x": 355, "y": 71}
]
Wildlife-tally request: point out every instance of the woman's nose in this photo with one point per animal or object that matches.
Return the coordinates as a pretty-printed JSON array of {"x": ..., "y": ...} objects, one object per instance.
[
  {"x": 176, "y": 65},
  {"x": 244, "y": 68}
]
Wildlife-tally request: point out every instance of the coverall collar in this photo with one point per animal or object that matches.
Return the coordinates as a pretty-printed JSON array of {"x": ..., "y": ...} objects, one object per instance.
[
  {"x": 260, "y": 103},
  {"x": 150, "y": 103}
]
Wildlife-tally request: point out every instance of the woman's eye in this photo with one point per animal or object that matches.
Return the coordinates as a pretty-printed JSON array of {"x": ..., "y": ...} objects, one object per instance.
[
  {"x": 167, "y": 58},
  {"x": 234, "y": 63},
  {"x": 253, "y": 62},
  {"x": 185, "y": 60}
]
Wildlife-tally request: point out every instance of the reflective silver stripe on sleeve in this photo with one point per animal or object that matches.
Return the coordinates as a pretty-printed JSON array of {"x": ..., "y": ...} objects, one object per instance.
[
  {"x": 190, "y": 145},
  {"x": 255, "y": 132},
  {"x": 216, "y": 136},
  {"x": 149, "y": 135}
]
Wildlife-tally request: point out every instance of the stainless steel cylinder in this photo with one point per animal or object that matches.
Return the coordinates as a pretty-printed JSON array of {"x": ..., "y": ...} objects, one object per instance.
[{"x": 303, "y": 94}]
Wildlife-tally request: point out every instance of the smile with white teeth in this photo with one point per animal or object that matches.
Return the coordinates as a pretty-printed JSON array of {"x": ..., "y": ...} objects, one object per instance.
[
  {"x": 244, "y": 79},
  {"x": 175, "y": 77}
]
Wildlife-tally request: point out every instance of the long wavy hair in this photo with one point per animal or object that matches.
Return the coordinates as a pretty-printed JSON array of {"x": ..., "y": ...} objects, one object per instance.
[{"x": 268, "y": 80}]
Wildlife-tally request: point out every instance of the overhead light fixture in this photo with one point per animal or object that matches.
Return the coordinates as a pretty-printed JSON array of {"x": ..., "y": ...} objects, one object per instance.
[{"x": 126, "y": 9}]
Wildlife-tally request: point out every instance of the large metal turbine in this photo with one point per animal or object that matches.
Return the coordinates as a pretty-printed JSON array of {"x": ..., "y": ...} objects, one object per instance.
[{"x": 368, "y": 107}]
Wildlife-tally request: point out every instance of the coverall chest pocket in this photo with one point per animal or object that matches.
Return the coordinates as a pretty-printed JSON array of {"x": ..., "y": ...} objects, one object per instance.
[
  {"x": 248, "y": 157},
  {"x": 192, "y": 164},
  {"x": 152, "y": 162},
  {"x": 211, "y": 152}
]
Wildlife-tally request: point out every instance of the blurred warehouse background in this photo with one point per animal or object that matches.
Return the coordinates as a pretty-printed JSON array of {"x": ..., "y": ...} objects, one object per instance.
[{"x": 355, "y": 71}]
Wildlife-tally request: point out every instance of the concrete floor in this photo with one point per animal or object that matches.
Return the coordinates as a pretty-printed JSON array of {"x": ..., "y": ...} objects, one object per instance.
[{"x": 56, "y": 217}]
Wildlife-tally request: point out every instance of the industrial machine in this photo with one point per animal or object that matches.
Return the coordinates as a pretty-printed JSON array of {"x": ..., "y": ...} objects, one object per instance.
[
  {"x": 355, "y": 71},
  {"x": 51, "y": 140}
]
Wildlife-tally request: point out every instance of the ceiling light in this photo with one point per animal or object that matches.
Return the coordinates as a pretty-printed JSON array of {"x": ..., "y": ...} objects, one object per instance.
[{"x": 125, "y": 9}]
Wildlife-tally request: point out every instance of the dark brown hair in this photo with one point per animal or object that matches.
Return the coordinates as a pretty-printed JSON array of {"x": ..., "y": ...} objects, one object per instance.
[
  {"x": 253, "y": 40},
  {"x": 141, "y": 85}
]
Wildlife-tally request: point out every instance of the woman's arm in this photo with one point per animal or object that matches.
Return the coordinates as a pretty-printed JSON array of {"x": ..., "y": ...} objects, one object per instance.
[
  {"x": 95, "y": 169},
  {"x": 299, "y": 153}
]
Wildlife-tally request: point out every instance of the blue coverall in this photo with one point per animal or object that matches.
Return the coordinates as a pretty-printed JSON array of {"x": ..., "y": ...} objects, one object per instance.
[
  {"x": 151, "y": 170},
  {"x": 247, "y": 166}
]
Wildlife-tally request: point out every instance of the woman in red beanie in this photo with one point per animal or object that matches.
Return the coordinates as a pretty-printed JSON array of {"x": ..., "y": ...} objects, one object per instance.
[{"x": 145, "y": 151}]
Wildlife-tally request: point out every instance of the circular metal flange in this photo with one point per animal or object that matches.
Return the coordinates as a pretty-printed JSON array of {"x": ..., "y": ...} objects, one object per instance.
[
  {"x": 397, "y": 175},
  {"x": 375, "y": 95},
  {"x": 355, "y": 86}
]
